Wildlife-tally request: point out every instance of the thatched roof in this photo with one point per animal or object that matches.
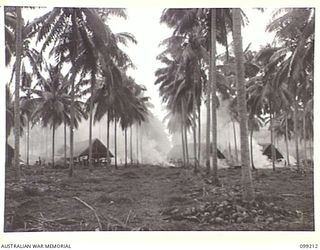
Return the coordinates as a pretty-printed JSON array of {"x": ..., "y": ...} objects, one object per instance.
[
  {"x": 267, "y": 151},
  {"x": 99, "y": 150}
]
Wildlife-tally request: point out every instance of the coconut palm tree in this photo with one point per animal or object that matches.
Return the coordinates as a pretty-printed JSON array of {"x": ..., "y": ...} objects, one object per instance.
[
  {"x": 213, "y": 72},
  {"x": 29, "y": 55},
  {"x": 121, "y": 100},
  {"x": 185, "y": 22},
  {"x": 295, "y": 33},
  {"x": 90, "y": 63},
  {"x": 186, "y": 79},
  {"x": 10, "y": 27},
  {"x": 76, "y": 30},
  {"x": 26, "y": 105},
  {"x": 50, "y": 102},
  {"x": 18, "y": 49},
  {"x": 248, "y": 192}
]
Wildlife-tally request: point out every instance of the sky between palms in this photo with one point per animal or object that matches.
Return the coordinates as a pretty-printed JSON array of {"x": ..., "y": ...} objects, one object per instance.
[{"x": 144, "y": 24}]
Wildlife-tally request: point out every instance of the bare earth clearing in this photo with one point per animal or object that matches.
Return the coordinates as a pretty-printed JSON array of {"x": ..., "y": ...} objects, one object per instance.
[{"x": 155, "y": 198}]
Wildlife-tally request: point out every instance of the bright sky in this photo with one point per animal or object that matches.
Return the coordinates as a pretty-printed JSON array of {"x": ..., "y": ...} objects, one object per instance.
[{"x": 144, "y": 24}]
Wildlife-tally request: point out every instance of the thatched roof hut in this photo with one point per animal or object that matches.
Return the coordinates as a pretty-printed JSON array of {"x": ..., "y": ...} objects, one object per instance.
[
  {"x": 267, "y": 150},
  {"x": 99, "y": 150}
]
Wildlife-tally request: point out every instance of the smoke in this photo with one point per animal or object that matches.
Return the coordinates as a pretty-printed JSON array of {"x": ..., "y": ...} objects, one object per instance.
[
  {"x": 226, "y": 135},
  {"x": 228, "y": 131},
  {"x": 153, "y": 141}
]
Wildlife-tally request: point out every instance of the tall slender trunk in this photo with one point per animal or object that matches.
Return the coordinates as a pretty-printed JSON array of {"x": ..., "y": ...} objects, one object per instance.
[
  {"x": 272, "y": 138},
  {"x": 141, "y": 140},
  {"x": 185, "y": 131},
  {"x": 208, "y": 145},
  {"x": 194, "y": 127},
  {"x": 226, "y": 39},
  {"x": 230, "y": 154},
  {"x": 251, "y": 148},
  {"x": 125, "y": 147},
  {"x": 183, "y": 145},
  {"x": 72, "y": 117},
  {"x": 93, "y": 82},
  {"x": 53, "y": 134},
  {"x": 287, "y": 138},
  {"x": 296, "y": 132},
  {"x": 199, "y": 132},
  {"x": 65, "y": 143},
  {"x": 304, "y": 140},
  {"x": 115, "y": 145},
  {"x": 195, "y": 138},
  {"x": 186, "y": 145},
  {"x": 235, "y": 142},
  {"x": 46, "y": 131},
  {"x": 310, "y": 149},
  {"x": 248, "y": 191},
  {"x": 28, "y": 139},
  {"x": 108, "y": 137},
  {"x": 131, "y": 156},
  {"x": 17, "y": 94},
  {"x": 214, "y": 105},
  {"x": 137, "y": 143}
]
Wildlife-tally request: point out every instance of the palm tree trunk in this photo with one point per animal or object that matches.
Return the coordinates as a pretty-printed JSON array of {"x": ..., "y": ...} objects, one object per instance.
[
  {"x": 304, "y": 140},
  {"x": 65, "y": 143},
  {"x": 185, "y": 131},
  {"x": 296, "y": 132},
  {"x": 213, "y": 72},
  {"x": 311, "y": 145},
  {"x": 186, "y": 144},
  {"x": 108, "y": 137},
  {"x": 53, "y": 134},
  {"x": 141, "y": 140},
  {"x": 235, "y": 142},
  {"x": 137, "y": 143},
  {"x": 125, "y": 147},
  {"x": 230, "y": 153},
  {"x": 199, "y": 132},
  {"x": 271, "y": 138},
  {"x": 251, "y": 148},
  {"x": 115, "y": 145},
  {"x": 17, "y": 94},
  {"x": 248, "y": 192},
  {"x": 310, "y": 149},
  {"x": 131, "y": 156},
  {"x": 72, "y": 117},
  {"x": 287, "y": 138},
  {"x": 226, "y": 39},
  {"x": 46, "y": 131},
  {"x": 194, "y": 127},
  {"x": 195, "y": 138},
  {"x": 183, "y": 145},
  {"x": 90, "y": 121},
  {"x": 28, "y": 139},
  {"x": 208, "y": 146}
]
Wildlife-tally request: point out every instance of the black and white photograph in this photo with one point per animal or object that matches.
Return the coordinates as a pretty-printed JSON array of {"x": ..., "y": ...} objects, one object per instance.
[{"x": 158, "y": 119}]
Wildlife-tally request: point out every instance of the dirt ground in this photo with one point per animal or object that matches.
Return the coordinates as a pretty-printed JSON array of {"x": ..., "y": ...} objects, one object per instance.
[{"x": 156, "y": 198}]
